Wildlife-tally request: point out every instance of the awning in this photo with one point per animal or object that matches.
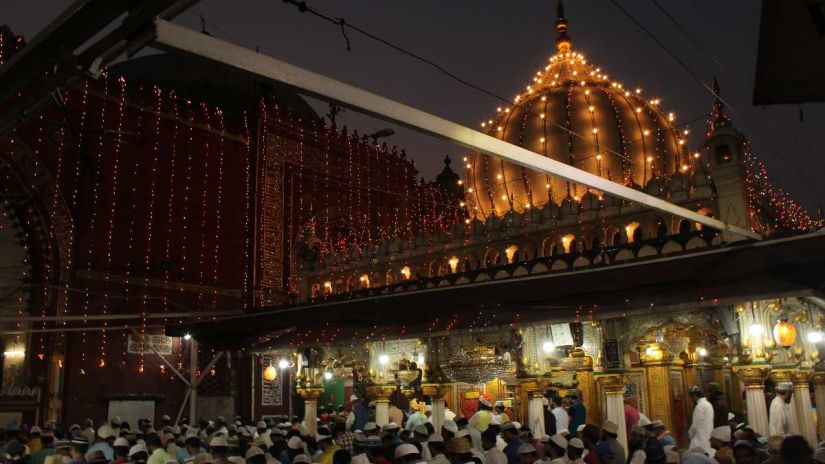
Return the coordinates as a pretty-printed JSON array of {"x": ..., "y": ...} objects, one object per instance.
[{"x": 741, "y": 271}]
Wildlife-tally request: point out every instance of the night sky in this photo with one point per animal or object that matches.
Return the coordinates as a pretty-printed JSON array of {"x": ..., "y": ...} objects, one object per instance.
[{"x": 499, "y": 45}]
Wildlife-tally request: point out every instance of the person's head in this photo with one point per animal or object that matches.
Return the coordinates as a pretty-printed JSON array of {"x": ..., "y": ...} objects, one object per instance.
[
  {"x": 526, "y": 433},
  {"x": 341, "y": 456},
  {"x": 121, "y": 447},
  {"x": 371, "y": 429},
  {"x": 294, "y": 446},
  {"x": 610, "y": 430},
  {"x": 436, "y": 445},
  {"x": 61, "y": 447},
  {"x": 743, "y": 452},
  {"x": 193, "y": 445},
  {"x": 720, "y": 437},
  {"x": 421, "y": 433},
  {"x": 459, "y": 450},
  {"x": 153, "y": 442},
  {"x": 590, "y": 435},
  {"x": 448, "y": 430},
  {"x": 575, "y": 448},
  {"x": 218, "y": 447},
  {"x": 499, "y": 407},
  {"x": 556, "y": 446},
  {"x": 484, "y": 404},
  {"x": 527, "y": 454},
  {"x": 404, "y": 435},
  {"x": 78, "y": 447},
  {"x": 406, "y": 453},
  {"x": 509, "y": 432},
  {"x": 796, "y": 450},
  {"x": 637, "y": 436},
  {"x": 391, "y": 429},
  {"x": 657, "y": 428},
  {"x": 138, "y": 453},
  {"x": 488, "y": 439},
  {"x": 696, "y": 393},
  {"x": 785, "y": 391},
  {"x": 255, "y": 455}
]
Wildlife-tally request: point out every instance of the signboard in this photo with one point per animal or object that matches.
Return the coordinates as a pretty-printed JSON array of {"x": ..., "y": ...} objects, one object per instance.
[
  {"x": 272, "y": 391},
  {"x": 561, "y": 334},
  {"x": 160, "y": 343}
]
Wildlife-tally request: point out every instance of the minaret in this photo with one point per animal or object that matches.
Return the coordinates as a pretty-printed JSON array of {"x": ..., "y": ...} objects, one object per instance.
[
  {"x": 726, "y": 156},
  {"x": 563, "y": 42}
]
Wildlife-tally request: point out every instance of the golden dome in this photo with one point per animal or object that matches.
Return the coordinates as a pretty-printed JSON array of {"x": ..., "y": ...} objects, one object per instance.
[{"x": 573, "y": 112}]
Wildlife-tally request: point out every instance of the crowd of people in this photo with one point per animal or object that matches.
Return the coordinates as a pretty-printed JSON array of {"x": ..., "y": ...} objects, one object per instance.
[{"x": 351, "y": 436}]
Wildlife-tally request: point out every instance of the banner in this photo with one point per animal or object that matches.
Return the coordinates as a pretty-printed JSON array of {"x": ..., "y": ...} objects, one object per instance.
[{"x": 138, "y": 344}]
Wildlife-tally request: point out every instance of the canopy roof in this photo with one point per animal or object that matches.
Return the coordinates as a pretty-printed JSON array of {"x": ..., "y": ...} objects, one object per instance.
[{"x": 793, "y": 266}]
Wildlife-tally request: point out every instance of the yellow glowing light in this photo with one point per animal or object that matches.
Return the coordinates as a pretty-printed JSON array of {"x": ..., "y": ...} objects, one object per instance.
[
  {"x": 591, "y": 108},
  {"x": 649, "y": 159},
  {"x": 599, "y": 157},
  {"x": 406, "y": 272},
  {"x": 498, "y": 109},
  {"x": 498, "y": 176},
  {"x": 470, "y": 190},
  {"x": 483, "y": 124},
  {"x": 460, "y": 182},
  {"x": 506, "y": 110},
  {"x": 638, "y": 110},
  {"x": 466, "y": 221},
  {"x": 468, "y": 165},
  {"x": 627, "y": 94},
  {"x": 646, "y": 132},
  {"x": 587, "y": 92},
  {"x": 541, "y": 115},
  {"x": 327, "y": 284},
  {"x": 14, "y": 353},
  {"x": 686, "y": 132},
  {"x": 681, "y": 142},
  {"x": 527, "y": 206},
  {"x": 696, "y": 155},
  {"x": 504, "y": 197},
  {"x": 638, "y": 90},
  {"x": 684, "y": 167},
  {"x": 453, "y": 263},
  {"x": 544, "y": 98},
  {"x": 565, "y": 242},
  {"x": 500, "y": 128},
  {"x": 270, "y": 373},
  {"x": 595, "y": 130},
  {"x": 461, "y": 203}
]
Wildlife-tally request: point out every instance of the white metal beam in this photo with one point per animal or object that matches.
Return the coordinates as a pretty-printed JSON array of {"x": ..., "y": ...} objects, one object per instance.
[{"x": 174, "y": 38}]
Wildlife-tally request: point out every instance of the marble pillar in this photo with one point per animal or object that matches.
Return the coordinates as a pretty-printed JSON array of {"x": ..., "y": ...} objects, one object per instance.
[
  {"x": 819, "y": 396},
  {"x": 382, "y": 411},
  {"x": 613, "y": 388},
  {"x": 754, "y": 379},
  {"x": 438, "y": 396},
  {"x": 535, "y": 413},
  {"x": 804, "y": 408},
  {"x": 310, "y": 396}
]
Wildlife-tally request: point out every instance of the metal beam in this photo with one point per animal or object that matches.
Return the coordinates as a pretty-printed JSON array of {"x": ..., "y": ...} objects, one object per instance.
[
  {"x": 162, "y": 358},
  {"x": 174, "y": 38}
]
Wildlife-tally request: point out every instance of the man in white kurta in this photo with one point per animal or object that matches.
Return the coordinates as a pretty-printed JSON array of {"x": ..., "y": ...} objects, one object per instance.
[
  {"x": 702, "y": 424},
  {"x": 780, "y": 412}
]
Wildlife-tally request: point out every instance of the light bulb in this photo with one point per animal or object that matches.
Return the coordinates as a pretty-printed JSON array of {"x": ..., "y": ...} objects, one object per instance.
[
  {"x": 755, "y": 329},
  {"x": 815, "y": 336},
  {"x": 328, "y": 375},
  {"x": 283, "y": 363},
  {"x": 384, "y": 359},
  {"x": 548, "y": 347},
  {"x": 703, "y": 351},
  {"x": 187, "y": 337},
  {"x": 420, "y": 359}
]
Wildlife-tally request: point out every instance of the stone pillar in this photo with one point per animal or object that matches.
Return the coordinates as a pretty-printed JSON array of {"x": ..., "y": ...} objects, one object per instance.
[
  {"x": 613, "y": 388},
  {"x": 754, "y": 379},
  {"x": 535, "y": 413},
  {"x": 819, "y": 396},
  {"x": 381, "y": 393},
  {"x": 310, "y": 396},
  {"x": 804, "y": 408},
  {"x": 437, "y": 394}
]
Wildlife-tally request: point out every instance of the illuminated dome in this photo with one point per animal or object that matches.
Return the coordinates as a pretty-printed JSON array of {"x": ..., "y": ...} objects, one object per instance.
[{"x": 574, "y": 113}]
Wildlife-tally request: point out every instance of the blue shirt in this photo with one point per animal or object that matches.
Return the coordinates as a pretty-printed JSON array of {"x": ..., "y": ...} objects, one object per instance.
[
  {"x": 578, "y": 414},
  {"x": 511, "y": 450}
]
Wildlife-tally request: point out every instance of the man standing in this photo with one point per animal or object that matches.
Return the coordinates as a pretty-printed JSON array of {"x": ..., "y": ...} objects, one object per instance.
[
  {"x": 510, "y": 433},
  {"x": 562, "y": 418},
  {"x": 492, "y": 454},
  {"x": 702, "y": 424},
  {"x": 780, "y": 413},
  {"x": 577, "y": 412},
  {"x": 483, "y": 415},
  {"x": 47, "y": 448},
  {"x": 359, "y": 415}
]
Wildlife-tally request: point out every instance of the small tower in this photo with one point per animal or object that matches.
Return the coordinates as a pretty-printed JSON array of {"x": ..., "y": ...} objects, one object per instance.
[
  {"x": 448, "y": 181},
  {"x": 726, "y": 157}
]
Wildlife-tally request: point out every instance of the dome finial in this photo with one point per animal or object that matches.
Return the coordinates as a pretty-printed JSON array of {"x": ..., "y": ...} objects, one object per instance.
[{"x": 563, "y": 42}]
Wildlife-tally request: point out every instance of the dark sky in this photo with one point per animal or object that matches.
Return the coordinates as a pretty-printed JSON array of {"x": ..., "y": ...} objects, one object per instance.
[{"x": 499, "y": 45}]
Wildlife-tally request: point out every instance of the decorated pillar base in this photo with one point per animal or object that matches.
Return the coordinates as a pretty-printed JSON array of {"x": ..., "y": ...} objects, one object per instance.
[
  {"x": 310, "y": 396},
  {"x": 438, "y": 395},
  {"x": 819, "y": 396},
  {"x": 754, "y": 379},
  {"x": 613, "y": 387},
  {"x": 381, "y": 393},
  {"x": 804, "y": 408}
]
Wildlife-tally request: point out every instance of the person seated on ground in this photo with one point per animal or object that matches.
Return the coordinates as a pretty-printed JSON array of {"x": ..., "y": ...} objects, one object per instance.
[
  {"x": 720, "y": 441},
  {"x": 796, "y": 450}
]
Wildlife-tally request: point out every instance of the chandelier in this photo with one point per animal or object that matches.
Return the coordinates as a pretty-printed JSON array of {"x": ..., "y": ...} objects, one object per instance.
[{"x": 476, "y": 367}]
